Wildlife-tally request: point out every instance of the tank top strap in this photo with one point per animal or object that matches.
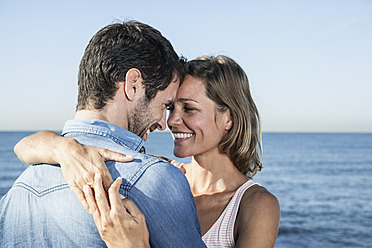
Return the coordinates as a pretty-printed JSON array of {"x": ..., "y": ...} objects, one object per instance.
[
  {"x": 221, "y": 234},
  {"x": 233, "y": 206}
]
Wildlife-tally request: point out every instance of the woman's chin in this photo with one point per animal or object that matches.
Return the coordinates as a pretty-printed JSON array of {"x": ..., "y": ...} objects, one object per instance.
[{"x": 180, "y": 154}]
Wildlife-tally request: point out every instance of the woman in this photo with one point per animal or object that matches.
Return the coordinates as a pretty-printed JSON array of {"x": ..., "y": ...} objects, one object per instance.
[{"x": 214, "y": 120}]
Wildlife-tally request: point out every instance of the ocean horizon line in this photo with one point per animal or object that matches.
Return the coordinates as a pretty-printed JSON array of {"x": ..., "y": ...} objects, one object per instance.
[{"x": 167, "y": 131}]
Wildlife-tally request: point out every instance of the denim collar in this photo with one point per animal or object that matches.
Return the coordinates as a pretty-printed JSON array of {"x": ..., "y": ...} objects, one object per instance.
[{"x": 105, "y": 129}]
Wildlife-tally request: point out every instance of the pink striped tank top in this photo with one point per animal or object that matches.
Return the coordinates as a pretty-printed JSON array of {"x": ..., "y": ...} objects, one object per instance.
[{"x": 221, "y": 234}]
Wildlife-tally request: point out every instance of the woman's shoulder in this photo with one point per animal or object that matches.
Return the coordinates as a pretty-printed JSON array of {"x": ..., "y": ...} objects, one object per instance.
[
  {"x": 258, "y": 217},
  {"x": 258, "y": 198},
  {"x": 258, "y": 206}
]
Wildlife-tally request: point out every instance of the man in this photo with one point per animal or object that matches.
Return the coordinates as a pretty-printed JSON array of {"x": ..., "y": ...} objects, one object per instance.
[{"x": 128, "y": 76}]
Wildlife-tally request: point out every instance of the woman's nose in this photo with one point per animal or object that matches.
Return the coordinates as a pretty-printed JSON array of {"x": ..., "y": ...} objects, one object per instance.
[{"x": 174, "y": 119}]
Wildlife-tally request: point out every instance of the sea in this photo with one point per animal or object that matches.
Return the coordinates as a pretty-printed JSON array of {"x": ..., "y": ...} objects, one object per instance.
[{"x": 323, "y": 182}]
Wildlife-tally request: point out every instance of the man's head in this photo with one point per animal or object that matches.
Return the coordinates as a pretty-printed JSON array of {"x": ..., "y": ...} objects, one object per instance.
[
  {"x": 113, "y": 51},
  {"x": 123, "y": 48}
]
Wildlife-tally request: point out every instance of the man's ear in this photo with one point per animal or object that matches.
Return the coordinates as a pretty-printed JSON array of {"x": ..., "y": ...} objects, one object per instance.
[
  {"x": 133, "y": 84},
  {"x": 228, "y": 120}
]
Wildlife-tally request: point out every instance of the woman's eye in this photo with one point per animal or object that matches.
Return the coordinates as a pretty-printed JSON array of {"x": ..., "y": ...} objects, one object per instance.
[{"x": 188, "y": 109}]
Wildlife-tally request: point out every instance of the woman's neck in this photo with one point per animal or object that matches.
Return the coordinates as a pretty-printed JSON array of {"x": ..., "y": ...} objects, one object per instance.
[{"x": 213, "y": 173}]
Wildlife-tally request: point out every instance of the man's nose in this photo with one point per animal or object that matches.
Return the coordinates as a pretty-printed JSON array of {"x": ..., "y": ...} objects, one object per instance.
[{"x": 162, "y": 123}]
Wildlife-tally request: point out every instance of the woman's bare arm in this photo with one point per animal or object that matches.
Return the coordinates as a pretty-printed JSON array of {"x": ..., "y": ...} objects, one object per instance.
[
  {"x": 40, "y": 147},
  {"x": 78, "y": 163},
  {"x": 258, "y": 219}
]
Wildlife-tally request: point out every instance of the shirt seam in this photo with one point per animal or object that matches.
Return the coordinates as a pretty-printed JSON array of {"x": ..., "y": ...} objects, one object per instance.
[
  {"x": 130, "y": 182},
  {"x": 98, "y": 131},
  {"x": 40, "y": 193}
]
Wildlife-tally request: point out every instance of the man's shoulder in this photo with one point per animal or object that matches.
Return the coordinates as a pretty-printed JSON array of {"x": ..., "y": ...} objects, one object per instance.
[
  {"x": 148, "y": 172},
  {"x": 141, "y": 164},
  {"x": 162, "y": 175}
]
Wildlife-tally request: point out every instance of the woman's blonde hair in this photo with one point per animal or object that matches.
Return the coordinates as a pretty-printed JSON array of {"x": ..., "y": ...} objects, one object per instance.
[{"x": 228, "y": 87}]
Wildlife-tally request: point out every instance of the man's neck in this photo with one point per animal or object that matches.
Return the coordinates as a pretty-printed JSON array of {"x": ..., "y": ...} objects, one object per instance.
[
  {"x": 115, "y": 111},
  {"x": 101, "y": 115}
]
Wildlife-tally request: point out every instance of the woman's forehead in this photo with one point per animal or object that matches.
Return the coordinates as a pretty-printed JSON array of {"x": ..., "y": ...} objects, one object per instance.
[{"x": 191, "y": 86}]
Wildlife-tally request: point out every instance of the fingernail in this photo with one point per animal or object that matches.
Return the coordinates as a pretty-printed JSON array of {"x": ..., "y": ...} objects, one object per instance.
[
  {"x": 122, "y": 197},
  {"x": 177, "y": 164}
]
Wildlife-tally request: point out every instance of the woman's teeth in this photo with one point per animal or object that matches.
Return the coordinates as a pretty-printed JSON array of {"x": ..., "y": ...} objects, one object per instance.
[{"x": 182, "y": 135}]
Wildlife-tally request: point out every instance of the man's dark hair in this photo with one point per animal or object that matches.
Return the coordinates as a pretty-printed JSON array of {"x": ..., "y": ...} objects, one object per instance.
[{"x": 114, "y": 50}]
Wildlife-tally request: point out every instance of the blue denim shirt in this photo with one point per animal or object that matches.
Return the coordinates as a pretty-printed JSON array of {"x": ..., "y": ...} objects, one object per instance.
[{"x": 40, "y": 210}]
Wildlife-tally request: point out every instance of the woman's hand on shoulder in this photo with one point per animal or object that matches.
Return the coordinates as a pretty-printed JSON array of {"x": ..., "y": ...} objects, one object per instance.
[
  {"x": 258, "y": 219},
  {"x": 118, "y": 220},
  {"x": 175, "y": 163},
  {"x": 79, "y": 163}
]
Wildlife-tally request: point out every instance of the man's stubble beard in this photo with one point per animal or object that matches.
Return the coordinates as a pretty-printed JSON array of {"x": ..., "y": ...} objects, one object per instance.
[{"x": 140, "y": 118}]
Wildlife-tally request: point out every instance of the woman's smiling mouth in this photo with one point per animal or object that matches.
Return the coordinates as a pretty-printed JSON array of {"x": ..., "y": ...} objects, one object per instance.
[{"x": 182, "y": 136}]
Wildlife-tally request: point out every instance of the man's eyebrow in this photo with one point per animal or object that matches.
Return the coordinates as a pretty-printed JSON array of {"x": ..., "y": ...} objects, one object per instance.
[
  {"x": 186, "y": 100},
  {"x": 169, "y": 102}
]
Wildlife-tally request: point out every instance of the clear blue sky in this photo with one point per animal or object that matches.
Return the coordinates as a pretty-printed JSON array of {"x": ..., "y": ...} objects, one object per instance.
[{"x": 309, "y": 62}]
